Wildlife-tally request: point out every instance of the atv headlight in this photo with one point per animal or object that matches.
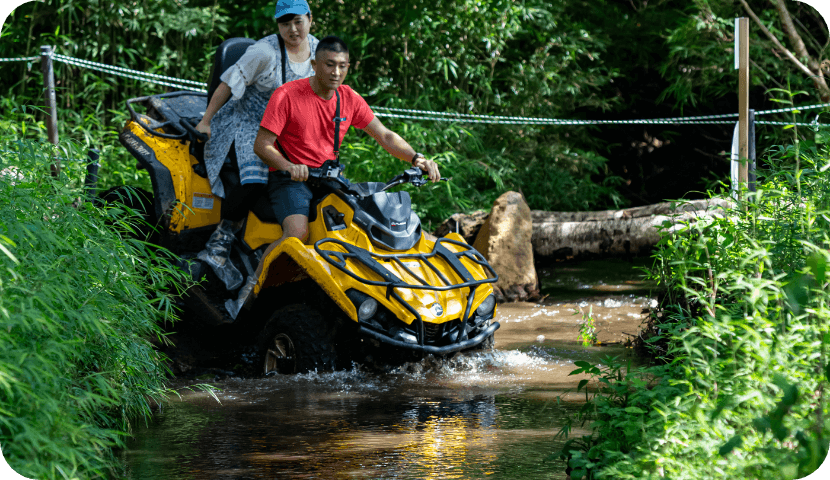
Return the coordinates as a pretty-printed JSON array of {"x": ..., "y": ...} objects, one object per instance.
[
  {"x": 486, "y": 306},
  {"x": 367, "y": 309}
]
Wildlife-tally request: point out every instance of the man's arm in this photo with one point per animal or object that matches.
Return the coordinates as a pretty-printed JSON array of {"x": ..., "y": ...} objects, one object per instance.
[
  {"x": 398, "y": 148},
  {"x": 265, "y": 149}
]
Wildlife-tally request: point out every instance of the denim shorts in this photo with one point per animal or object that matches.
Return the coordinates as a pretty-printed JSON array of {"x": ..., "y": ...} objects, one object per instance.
[{"x": 288, "y": 197}]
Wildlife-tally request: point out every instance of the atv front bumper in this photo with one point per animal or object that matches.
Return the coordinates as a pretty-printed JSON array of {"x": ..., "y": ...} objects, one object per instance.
[
  {"x": 435, "y": 350},
  {"x": 441, "y": 338}
]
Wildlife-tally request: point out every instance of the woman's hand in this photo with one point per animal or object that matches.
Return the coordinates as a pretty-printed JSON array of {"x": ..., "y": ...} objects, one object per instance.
[{"x": 203, "y": 127}]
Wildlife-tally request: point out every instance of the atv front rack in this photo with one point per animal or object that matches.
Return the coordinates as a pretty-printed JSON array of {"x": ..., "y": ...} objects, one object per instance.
[{"x": 393, "y": 282}]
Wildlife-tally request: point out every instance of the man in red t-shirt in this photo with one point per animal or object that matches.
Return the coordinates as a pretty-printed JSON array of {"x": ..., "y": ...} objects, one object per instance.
[{"x": 300, "y": 115}]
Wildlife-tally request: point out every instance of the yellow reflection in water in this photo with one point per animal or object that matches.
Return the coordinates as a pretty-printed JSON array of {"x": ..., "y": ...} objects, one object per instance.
[{"x": 438, "y": 447}]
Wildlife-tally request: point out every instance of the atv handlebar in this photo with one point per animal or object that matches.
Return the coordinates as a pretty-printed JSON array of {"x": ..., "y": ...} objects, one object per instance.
[
  {"x": 413, "y": 175},
  {"x": 331, "y": 169}
]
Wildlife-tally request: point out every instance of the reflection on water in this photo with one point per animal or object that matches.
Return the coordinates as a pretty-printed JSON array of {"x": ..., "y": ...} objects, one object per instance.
[
  {"x": 491, "y": 415},
  {"x": 590, "y": 278},
  {"x": 427, "y": 420}
]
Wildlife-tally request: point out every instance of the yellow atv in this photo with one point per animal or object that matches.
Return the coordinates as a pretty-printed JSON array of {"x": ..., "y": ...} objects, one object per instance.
[{"x": 368, "y": 283}]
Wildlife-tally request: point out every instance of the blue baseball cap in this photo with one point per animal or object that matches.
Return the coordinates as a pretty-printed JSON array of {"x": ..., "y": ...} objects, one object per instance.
[{"x": 291, "y": 7}]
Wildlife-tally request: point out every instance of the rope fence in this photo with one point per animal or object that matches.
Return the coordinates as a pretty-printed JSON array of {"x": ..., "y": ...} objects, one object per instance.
[
  {"x": 413, "y": 114},
  {"x": 134, "y": 74}
]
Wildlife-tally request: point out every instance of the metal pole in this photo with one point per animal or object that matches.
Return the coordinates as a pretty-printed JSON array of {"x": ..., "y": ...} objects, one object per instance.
[
  {"x": 91, "y": 179},
  {"x": 751, "y": 157},
  {"x": 51, "y": 102},
  {"x": 743, "y": 101}
]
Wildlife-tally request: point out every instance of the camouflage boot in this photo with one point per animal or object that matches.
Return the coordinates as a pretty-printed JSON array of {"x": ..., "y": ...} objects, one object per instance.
[{"x": 217, "y": 252}]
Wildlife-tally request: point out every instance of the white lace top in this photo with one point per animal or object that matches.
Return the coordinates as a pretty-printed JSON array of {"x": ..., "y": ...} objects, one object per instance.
[
  {"x": 302, "y": 69},
  {"x": 237, "y": 122}
]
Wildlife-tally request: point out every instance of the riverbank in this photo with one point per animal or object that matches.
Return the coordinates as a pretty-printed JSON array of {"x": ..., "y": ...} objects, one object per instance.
[
  {"x": 76, "y": 315},
  {"x": 738, "y": 387}
]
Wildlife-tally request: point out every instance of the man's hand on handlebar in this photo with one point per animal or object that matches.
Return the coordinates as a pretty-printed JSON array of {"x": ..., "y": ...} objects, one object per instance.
[
  {"x": 429, "y": 167},
  {"x": 299, "y": 173}
]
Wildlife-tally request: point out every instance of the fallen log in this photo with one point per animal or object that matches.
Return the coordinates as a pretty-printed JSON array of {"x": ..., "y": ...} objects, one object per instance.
[{"x": 627, "y": 232}]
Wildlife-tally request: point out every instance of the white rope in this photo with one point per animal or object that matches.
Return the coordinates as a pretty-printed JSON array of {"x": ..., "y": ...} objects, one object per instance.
[
  {"x": 555, "y": 120},
  {"x": 793, "y": 109},
  {"x": 438, "y": 116},
  {"x": 764, "y": 122},
  {"x": 549, "y": 121},
  {"x": 127, "y": 71},
  {"x": 135, "y": 77},
  {"x": 19, "y": 59}
]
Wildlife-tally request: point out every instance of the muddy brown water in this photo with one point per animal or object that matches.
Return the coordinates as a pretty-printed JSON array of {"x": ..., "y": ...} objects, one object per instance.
[{"x": 493, "y": 415}]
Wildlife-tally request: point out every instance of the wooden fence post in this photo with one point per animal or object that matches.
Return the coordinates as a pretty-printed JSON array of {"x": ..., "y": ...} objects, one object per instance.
[
  {"x": 51, "y": 103},
  {"x": 751, "y": 158}
]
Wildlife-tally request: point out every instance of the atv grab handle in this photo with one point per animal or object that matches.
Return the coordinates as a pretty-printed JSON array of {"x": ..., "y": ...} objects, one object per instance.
[{"x": 202, "y": 137}]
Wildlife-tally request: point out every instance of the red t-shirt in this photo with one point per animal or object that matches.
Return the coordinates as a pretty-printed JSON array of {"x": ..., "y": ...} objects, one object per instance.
[{"x": 304, "y": 123}]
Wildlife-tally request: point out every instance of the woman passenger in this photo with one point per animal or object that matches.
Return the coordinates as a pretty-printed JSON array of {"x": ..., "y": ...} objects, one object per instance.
[{"x": 231, "y": 121}]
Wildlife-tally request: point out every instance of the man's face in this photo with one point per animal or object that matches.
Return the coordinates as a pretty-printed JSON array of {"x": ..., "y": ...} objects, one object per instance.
[
  {"x": 330, "y": 68},
  {"x": 295, "y": 31}
]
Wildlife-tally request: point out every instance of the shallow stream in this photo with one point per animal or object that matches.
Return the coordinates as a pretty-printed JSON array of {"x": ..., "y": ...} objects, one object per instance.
[{"x": 492, "y": 415}]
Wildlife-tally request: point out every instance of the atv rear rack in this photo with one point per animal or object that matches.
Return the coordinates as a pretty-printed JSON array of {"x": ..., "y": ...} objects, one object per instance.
[{"x": 393, "y": 282}]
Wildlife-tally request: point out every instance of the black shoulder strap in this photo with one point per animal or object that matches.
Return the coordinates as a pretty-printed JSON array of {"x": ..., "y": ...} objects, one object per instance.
[
  {"x": 283, "y": 56},
  {"x": 337, "y": 121}
]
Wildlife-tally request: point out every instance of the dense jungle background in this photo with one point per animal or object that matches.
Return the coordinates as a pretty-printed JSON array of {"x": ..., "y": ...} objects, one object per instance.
[{"x": 563, "y": 59}]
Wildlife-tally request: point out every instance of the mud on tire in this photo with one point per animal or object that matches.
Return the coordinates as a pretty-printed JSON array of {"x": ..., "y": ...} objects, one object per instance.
[{"x": 297, "y": 339}]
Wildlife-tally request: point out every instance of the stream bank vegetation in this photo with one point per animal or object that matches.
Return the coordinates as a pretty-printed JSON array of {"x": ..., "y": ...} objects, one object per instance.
[
  {"x": 82, "y": 302},
  {"x": 738, "y": 383}
]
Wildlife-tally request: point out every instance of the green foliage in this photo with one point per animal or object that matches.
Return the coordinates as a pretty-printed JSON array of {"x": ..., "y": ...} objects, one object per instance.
[
  {"x": 700, "y": 63},
  {"x": 81, "y": 303},
  {"x": 744, "y": 328},
  {"x": 532, "y": 58},
  {"x": 587, "y": 327},
  {"x": 621, "y": 412}
]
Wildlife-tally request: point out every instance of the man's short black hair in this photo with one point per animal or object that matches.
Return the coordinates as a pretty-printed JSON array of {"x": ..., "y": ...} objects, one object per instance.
[
  {"x": 332, "y": 44},
  {"x": 290, "y": 17}
]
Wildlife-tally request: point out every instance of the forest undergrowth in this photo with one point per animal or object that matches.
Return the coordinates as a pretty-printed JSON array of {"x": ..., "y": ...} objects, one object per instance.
[
  {"x": 82, "y": 303},
  {"x": 738, "y": 383}
]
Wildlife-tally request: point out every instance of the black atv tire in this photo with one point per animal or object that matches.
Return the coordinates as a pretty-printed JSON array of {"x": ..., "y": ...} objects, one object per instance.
[{"x": 297, "y": 339}]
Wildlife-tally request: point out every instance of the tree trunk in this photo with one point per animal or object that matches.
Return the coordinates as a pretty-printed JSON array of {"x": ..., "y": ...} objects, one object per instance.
[{"x": 625, "y": 232}]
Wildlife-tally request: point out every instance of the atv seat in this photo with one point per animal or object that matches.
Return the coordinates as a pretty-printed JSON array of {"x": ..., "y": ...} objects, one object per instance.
[{"x": 228, "y": 53}]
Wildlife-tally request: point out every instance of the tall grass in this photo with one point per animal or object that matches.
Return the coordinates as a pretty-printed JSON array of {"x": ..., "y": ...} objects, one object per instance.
[
  {"x": 81, "y": 303},
  {"x": 741, "y": 339}
]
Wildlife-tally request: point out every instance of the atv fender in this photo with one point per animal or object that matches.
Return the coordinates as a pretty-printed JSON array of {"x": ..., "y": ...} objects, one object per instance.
[{"x": 292, "y": 261}]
